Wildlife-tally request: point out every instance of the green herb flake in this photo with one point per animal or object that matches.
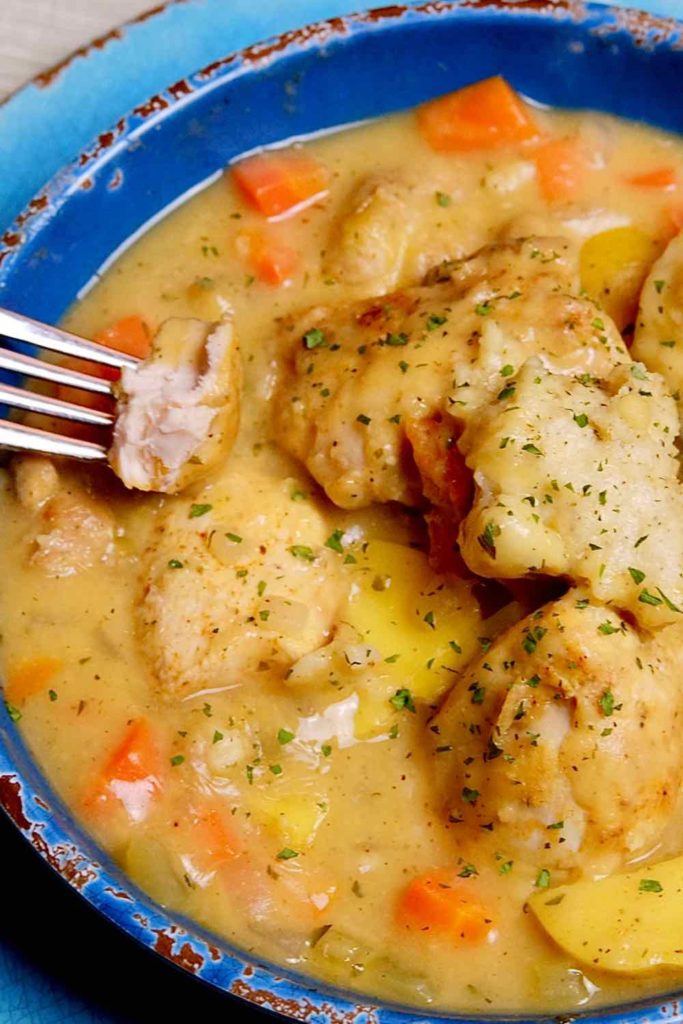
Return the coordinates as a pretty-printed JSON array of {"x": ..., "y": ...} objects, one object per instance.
[
  {"x": 486, "y": 539},
  {"x": 429, "y": 619},
  {"x": 640, "y": 540},
  {"x": 396, "y": 340},
  {"x": 174, "y": 563},
  {"x": 532, "y": 449},
  {"x": 326, "y": 750},
  {"x": 607, "y": 703},
  {"x": 607, "y": 628},
  {"x": 468, "y": 871},
  {"x": 234, "y": 537},
  {"x": 315, "y": 338},
  {"x": 636, "y": 575},
  {"x": 581, "y": 419},
  {"x": 199, "y": 510},
  {"x": 52, "y": 694},
  {"x": 284, "y": 736},
  {"x": 334, "y": 541},
  {"x": 506, "y": 867},
  {"x": 176, "y": 760},
  {"x": 442, "y": 199},
  {"x": 507, "y": 370},
  {"x": 276, "y": 769},
  {"x": 507, "y": 392},
  {"x": 287, "y": 854},
  {"x": 645, "y": 597},
  {"x": 650, "y": 885},
  {"x": 217, "y": 736},
  {"x": 435, "y": 321},
  {"x": 483, "y": 308},
  {"x": 403, "y": 700},
  {"x": 659, "y": 286},
  {"x": 543, "y": 879},
  {"x": 303, "y": 552},
  {"x": 470, "y": 796},
  {"x": 362, "y": 418},
  {"x": 12, "y": 711}
]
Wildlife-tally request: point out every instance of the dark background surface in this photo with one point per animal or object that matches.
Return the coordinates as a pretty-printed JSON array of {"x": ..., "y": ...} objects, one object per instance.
[{"x": 83, "y": 963}]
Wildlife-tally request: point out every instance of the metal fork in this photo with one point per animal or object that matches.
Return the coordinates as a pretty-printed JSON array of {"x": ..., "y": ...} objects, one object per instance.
[{"x": 20, "y": 437}]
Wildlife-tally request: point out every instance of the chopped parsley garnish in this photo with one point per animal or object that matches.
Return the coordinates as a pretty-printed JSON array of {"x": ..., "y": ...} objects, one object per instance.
[
  {"x": 532, "y": 449},
  {"x": 455, "y": 646},
  {"x": 206, "y": 710},
  {"x": 607, "y": 703},
  {"x": 478, "y": 693},
  {"x": 507, "y": 392},
  {"x": 543, "y": 879},
  {"x": 298, "y": 495},
  {"x": 396, "y": 340},
  {"x": 276, "y": 769},
  {"x": 404, "y": 366},
  {"x": 315, "y": 338},
  {"x": 581, "y": 419},
  {"x": 533, "y": 682},
  {"x": 468, "y": 871},
  {"x": 507, "y": 370},
  {"x": 669, "y": 604},
  {"x": 636, "y": 575},
  {"x": 199, "y": 510},
  {"x": 435, "y": 321},
  {"x": 487, "y": 538},
  {"x": 470, "y": 796},
  {"x": 483, "y": 308},
  {"x": 650, "y": 885},
  {"x": 303, "y": 552},
  {"x": 659, "y": 286},
  {"x": 393, "y": 732},
  {"x": 177, "y": 759},
  {"x": 362, "y": 418},
  {"x": 429, "y": 619},
  {"x": 532, "y": 638},
  {"x": 52, "y": 694},
  {"x": 287, "y": 854},
  {"x": 505, "y": 868},
  {"x": 640, "y": 540},
  {"x": 556, "y": 825},
  {"x": 217, "y": 736},
  {"x": 14, "y": 713},
  {"x": 443, "y": 199},
  {"x": 334, "y": 541},
  {"x": 284, "y": 736},
  {"x": 234, "y": 537},
  {"x": 326, "y": 750},
  {"x": 174, "y": 563},
  {"x": 403, "y": 700},
  {"x": 264, "y": 614},
  {"x": 645, "y": 597},
  {"x": 582, "y": 603},
  {"x": 607, "y": 628}
]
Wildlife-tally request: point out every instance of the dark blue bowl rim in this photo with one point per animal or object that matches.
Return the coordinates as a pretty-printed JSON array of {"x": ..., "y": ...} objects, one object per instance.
[{"x": 25, "y": 794}]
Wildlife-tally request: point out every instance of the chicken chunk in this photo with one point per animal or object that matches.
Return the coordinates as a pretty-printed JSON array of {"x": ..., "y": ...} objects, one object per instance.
[
  {"x": 370, "y": 238},
  {"x": 69, "y": 530},
  {"x": 562, "y": 739},
  {"x": 352, "y": 379},
  {"x": 178, "y": 411},
  {"x": 578, "y": 477},
  {"x": 235, "y": 581},
  {"x": 658, "y": 339}
]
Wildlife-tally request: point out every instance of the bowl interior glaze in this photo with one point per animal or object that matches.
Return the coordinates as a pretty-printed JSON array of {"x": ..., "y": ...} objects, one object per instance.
[{"x": 327, "y": 75}]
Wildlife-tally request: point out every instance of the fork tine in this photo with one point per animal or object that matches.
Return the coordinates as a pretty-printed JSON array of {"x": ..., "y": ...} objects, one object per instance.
[
  {"x": 30, "y": 367},
  {"x": 22, "y": 328},
  {"x": 46, "y": 406},
  {"x": 28, "y": 439}
]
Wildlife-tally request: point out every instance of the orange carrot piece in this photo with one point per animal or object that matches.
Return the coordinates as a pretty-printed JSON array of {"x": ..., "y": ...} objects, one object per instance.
[
  {"x": 272, "y": 261},
  {"x": 213, "y": 841},
  {"x": 30, "y": 677},
  {"x": 132, "y": 775},
  {"x": 561, "y": 167},
  {"x": 130, "y": 335},
  {"x": 664, "y": 178},
  {"x": 446, "y": 905},
  {"x": 277, "y": 183},
  {"x": 485, "y": 115}
]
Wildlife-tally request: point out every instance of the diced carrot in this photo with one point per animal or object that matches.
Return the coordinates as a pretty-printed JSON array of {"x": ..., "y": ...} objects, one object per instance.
[
  {"x": 279, "y": 183},
  {"x": 664, "y": 178},
  {"x": 132, "y": 775},
  {"x": 213, "y": 842},
  {"x": 561, "y": 167},
  {"x": 441, "y": 903},
  {"x": 30, "y": 677},
  {"x": 130, "y": 335},
  {"x": 485, "y": 115},
  {"x": 272, "y": 261}
]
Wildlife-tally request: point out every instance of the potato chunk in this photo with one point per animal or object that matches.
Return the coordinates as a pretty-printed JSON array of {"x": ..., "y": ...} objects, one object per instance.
[
  {"x": 178, "y": 411},
  {"x": 578, "y": 477},
  {"x": 628, "y": 924},
  {"x": 562, "y": 739},
  {"x": 658, "y": 339}
]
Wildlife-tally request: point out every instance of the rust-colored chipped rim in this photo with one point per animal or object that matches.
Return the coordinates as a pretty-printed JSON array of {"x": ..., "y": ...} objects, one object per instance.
[{"x": 24, "y": 793}]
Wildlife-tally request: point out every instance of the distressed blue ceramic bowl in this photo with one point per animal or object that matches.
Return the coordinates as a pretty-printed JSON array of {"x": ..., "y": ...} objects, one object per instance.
[{"x": 343, "y": 70}]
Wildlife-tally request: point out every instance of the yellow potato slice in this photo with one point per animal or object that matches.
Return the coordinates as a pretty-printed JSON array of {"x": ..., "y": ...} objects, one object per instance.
[
  {"x": 614, "y": 265},
  {"x": 628, "y": 923}
]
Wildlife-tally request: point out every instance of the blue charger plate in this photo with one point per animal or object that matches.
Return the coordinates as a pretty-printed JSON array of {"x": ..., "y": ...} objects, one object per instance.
[{"x": 60, "y": 961}]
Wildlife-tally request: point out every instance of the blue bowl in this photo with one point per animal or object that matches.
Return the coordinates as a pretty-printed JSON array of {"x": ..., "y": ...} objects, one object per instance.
[{"x": 347, "y": 69}]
